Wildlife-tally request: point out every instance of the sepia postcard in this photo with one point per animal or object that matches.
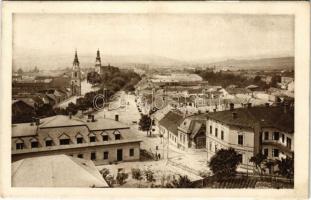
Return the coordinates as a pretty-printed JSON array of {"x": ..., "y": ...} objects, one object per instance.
[{"x": 155, "y": 99}]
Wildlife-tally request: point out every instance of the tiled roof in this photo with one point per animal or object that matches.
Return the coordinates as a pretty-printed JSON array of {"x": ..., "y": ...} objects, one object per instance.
[
  {"x": 23, "y": 129},
  {"x": 263, "y": 116},
  {"x": 60, "y": 121},
  {"x": 104, "y": 123},
  {"x": 171, "y": 121},
  {"x": 56, "y": 171}
]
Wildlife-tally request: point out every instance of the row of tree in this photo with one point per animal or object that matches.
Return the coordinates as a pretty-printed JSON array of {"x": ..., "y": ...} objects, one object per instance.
[
  {"x": 225, "y": 162},
  {"x": 225, "y": 79}
]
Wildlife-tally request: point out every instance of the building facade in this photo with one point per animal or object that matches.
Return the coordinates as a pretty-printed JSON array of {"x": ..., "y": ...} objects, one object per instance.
[
  {"x": 267, "y": 130},
  {"x": 104, "y": 141}
]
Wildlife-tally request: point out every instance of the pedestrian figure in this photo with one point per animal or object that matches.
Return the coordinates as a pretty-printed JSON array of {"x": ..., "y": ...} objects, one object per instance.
[{"x": 159, "y": 156}]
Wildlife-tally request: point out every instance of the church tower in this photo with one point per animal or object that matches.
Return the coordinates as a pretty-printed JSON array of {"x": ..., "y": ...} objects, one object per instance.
[
  {"x": 98, "y": 62},
  {"x": 76, "y": 77}
]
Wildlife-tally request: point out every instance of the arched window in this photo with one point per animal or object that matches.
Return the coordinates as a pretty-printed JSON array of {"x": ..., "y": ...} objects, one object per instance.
[
  {"x": 34, "y": 143},
  {"x": 64, "y": 139}
]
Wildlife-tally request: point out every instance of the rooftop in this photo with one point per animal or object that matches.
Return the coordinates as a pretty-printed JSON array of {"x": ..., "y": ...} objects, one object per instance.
[
  {"x": 56, "y": 171},
  {"x": 171, "y": 121},
  {"x": 264, "y": 116}
]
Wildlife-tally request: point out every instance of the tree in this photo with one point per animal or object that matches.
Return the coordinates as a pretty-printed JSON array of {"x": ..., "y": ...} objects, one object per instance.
[
  {"x": 257, "y": 79},
  {"x": 181, "y": 182},
  {"x": 20, "y": 71},
  {"x": 224, "y": 163},
  {"x": 258, "y": 160},
  {"x": 270, "y": 165},
  {"x": 145, "y": 123},
  {"x": 149, "y": 175},
  {"x": 136, "y": 173},
  {"x": 121, "y": 177},
  {"x": 286, "y": 167}
]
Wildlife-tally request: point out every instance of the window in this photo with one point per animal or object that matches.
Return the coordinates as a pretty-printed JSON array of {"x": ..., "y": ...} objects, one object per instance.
[
  {"x": 266, "y": 152},
  {"x": 48, "y": 143},
  {"x": 79, "y": 140},
  {"x": 275, "y": 153},
  {"x": 131, "y": 152},
  {"x": 117, "y": 136},
  {"x": 276, "y": 136},
  {"x": 210, "y": 129},
  {"x": 266, "y": 135},
  {"x": 34, "y": 144},
  {"x": 93, "y": 156},
  {"x": 92, "y": 139},
  {"x": 216, "y": 132},
  {"x": 76, "y": 74},
  {"x": 216, "y": 148},
  {"x": 106, "y": 155},
  {"x": 64, "y": 141},
  {"x": 240, "y": 158},
  {"x": 288, "y": 143},
  {"x": 283, "y": 138},
  {"x": 105, "y": 137},
  {"x": 210, "y": 146},
  {"x": 80, "y": 155},
  {"x": 222, "y": 135},
  {"x": 19, "y": 145},
  {"x": 240, "y": 139}
]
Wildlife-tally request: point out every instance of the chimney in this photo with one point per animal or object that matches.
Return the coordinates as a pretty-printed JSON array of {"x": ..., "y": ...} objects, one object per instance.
[
  {"x": 267, "y": 105},
  {"x": 231, "y": 106},
  {"x": 116, "y": 117},
  {"x": 234, "y": 115}
]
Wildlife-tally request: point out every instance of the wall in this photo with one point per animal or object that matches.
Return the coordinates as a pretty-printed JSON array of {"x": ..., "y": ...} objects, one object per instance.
[
  {"x": 230, "y": 140},
  {"x": 86, "y": 151}
]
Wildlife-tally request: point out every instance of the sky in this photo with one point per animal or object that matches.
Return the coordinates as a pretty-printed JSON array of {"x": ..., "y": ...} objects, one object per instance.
[{"x": 185, "y": 37}]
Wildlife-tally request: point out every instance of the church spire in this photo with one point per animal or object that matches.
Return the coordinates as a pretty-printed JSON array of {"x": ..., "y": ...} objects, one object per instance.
[
  {"x": 76, "y": 60},
  {"x": 98, "y": 55}
]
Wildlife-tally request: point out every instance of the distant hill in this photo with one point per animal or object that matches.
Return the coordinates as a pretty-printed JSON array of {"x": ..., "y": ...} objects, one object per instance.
[
  {"x": 262, "y": 63},
  {"x": 27, "y": 62}
]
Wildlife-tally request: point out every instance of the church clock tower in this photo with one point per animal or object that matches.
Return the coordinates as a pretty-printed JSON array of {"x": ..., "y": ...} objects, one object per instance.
[
  {"x": 98, "y": 62},
  {"x": 76, "y": 77}
]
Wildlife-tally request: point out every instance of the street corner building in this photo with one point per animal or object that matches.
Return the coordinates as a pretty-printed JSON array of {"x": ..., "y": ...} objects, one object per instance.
[
  {"x": 104, "y": 141},
  {"x": 56, "y": 171},
  {"x": 267, "y": 130}
]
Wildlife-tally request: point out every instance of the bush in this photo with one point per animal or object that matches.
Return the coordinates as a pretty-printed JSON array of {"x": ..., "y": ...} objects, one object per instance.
[
  {"x": 121, "y": 177},
  {"x": 149, "y": 175},
  {"x": 136, "y": 174},
  {"x": 104, "y": 172}
]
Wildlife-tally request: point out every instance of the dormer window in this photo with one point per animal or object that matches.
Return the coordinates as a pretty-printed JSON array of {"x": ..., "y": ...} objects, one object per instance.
[
  {"x": 34, "y": 143},
  {"x": 79, "y": 138},
  {"x": 118, "y": 136},
  {"x": 19, "y": 145},
  {"x": 92, "y": 137},
  {"x": 105, "y": 136},
  {"x": 48, "y": 142},
  {"x": 64, "y": 139}
]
